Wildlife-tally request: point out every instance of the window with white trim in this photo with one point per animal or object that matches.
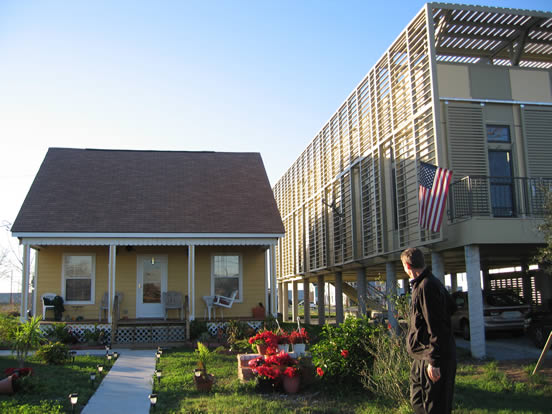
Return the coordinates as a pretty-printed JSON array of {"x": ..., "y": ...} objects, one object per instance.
[
  {"x": 226, "y": 275},
  {"x": 78, "y": 278}
]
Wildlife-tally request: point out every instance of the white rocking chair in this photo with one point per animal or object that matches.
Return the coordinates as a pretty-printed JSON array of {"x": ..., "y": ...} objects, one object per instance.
[{"x": 225, "y": 301}]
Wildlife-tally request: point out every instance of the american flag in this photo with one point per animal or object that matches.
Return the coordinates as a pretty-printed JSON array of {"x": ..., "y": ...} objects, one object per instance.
[{"x": 432, "y": 195}]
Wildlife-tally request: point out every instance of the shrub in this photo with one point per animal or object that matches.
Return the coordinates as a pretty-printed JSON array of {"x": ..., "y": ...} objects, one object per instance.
[
  {"x": 197, "y": 328},
  {"x": 94, "y": 336},
  {"x": 242, "y": 346},
  {"x": 54, "y": 353},
  {"x": 237, "y": 330},
  {"x": 61, "y": 333},
  {"x": 384, "y": 379},
  {"x": 340, "y": 355},
  {"x": 27, "y": 336},
  {"x": 8, "y": 328}
]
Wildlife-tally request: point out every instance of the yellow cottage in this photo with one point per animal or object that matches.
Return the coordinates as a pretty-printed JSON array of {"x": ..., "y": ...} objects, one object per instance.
[{"x": 143, "y": 239}]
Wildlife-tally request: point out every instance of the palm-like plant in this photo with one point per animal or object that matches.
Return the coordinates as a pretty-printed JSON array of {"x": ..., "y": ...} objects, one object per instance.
[{"x": 27, "y": 337}]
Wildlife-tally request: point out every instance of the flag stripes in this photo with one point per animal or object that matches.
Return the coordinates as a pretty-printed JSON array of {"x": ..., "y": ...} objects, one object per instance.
[{"x": 432, "y": 195}]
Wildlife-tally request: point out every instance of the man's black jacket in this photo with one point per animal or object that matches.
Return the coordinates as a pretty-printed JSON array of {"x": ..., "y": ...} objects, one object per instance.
[{"x": 430, "y": 335}]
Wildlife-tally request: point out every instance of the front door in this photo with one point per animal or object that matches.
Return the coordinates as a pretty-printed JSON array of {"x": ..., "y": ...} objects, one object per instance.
[{"x": 151, "y": 281}]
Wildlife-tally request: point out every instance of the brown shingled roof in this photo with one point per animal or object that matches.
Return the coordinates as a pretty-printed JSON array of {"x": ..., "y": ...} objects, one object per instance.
[{"x": 117, "y": 191}]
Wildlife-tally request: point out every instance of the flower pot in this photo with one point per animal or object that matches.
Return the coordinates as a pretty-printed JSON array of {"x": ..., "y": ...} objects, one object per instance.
[
  {"x": 261, "y": 349},
  {"x": 203, "y": 382},
  {"x": 6, "y": 385},
  {"x": 291, "y": 384},
  {"x": 299, "y": 349},
  {"x": 283, "y": 347},
  {"x": 264, "y": 385}
]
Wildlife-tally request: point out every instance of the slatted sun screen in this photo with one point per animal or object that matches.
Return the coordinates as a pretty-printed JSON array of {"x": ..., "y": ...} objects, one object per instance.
[{"x": 393, "y": 107}]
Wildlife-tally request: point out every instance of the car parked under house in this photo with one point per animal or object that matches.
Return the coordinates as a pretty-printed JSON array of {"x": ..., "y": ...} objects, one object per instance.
[{"x": 503, "y": 310}]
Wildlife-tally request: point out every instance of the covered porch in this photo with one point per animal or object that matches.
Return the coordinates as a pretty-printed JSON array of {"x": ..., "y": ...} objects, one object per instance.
[{"x": 139, "y": 272}]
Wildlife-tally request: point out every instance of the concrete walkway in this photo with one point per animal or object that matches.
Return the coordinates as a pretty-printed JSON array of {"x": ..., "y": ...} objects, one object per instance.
[{"x": 126, "y": 387}]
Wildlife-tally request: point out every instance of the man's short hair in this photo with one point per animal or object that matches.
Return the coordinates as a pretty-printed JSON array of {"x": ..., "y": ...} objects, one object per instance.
[{"x": 413, "y": 257}]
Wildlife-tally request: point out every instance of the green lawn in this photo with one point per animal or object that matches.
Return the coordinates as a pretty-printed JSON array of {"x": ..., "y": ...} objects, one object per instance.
[
  {"x": 50, "y": 386},
  {"x": 480, "y": 389}
]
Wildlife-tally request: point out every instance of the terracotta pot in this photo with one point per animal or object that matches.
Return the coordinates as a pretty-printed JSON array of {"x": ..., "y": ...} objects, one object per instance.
[
  {"x": 203, "y": 383},
  {"x": 261, "y": 349},
  {"x": 291, "y": 384},
  {"x": 6, "y": 385}
]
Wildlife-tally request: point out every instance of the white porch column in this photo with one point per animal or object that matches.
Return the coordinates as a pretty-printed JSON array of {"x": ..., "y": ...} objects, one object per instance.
[
  {"x": 438, "y": 266},
  {"x": 26, "y": 271},
  {"x": 475, "y": 300},
  {"x": 35, "y": 284},
  {"x": 321, "y": 307},
  {"x": 267, "y": 284},
  {"x": 361, "y": 291},
  {"x": 339, "y": 298},
  {"x": 273, "y": 304},
  {"x": 191, "y": 280},
  {"x": 111, "y": 281},
  {"x": 295, "y": 300},
  {"x": 306, "y": 299},
  {"x": 391, "y": 293},
  {"x": 281, "y": 298},
  {"x": 285, "y": 301}
]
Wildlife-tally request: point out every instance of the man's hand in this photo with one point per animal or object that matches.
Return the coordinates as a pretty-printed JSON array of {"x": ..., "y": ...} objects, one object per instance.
[{"x": 434, "y": 373}]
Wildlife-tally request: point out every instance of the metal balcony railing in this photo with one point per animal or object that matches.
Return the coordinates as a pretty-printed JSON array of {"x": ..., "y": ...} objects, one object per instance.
[{"x": 480, "y": 196}]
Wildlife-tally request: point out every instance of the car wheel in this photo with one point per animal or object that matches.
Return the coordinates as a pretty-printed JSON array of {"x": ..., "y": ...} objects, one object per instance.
[
  {"x": 466, "y": 330},
  {"x": 538, "y": 336}
]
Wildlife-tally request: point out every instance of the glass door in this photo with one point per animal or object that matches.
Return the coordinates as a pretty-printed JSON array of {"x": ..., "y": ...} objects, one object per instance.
[
  {"x": 151, "y": 282},
  {"x": 500, "y": 169}
]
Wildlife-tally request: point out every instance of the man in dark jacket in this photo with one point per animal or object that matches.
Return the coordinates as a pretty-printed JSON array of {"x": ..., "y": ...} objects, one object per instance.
[{"x": 430, "y": 341}]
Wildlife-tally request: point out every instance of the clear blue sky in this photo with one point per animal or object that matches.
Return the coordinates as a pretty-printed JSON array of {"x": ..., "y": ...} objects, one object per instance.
[{"x": 259, "y": 76}]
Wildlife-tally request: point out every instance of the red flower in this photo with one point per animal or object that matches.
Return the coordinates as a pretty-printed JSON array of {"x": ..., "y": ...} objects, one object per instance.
[
  {"x": 299, "y": 337},
  {"x": 291, "y": 372},
  {"x": 320, "y": 371},
  {"x": 388, "y": 326},
  {"x": 344, "y": 353}
]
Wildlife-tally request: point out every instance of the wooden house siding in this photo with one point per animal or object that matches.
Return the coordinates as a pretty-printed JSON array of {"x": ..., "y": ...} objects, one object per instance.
[{"x": 50, "y": 276}]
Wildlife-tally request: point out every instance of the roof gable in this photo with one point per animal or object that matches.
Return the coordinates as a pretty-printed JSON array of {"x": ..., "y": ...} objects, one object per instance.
[{"x": 111, "y": 191}]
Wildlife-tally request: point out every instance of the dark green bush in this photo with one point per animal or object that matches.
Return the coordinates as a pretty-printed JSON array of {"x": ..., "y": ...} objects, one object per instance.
[
  {"x": 341, "y": 353},
  {"x": 94, "y": 336},
  {"x": 197, "y": 328},
  {"x": 8, "y": 328},
  {"x": 61, "y": 333},
  {"x": 54, "y": 353}
]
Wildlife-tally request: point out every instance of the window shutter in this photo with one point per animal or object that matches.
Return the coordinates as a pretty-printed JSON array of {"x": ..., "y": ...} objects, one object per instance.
[{"x": 538, "y": 140}]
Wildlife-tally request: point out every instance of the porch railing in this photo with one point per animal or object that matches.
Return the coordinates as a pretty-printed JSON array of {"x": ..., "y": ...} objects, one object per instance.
[{"x": 483, "y": 196}]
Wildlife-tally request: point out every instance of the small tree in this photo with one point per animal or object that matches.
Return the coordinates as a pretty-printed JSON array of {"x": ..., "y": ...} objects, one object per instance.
[
  {"x": 27, "y": 337},
  {"x": 544, "y": 254}
]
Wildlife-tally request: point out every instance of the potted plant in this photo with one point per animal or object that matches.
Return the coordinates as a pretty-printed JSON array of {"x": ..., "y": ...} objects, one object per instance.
[
  {"x": 203, "y": 380},
  {"x": 17, "y": 380},
  {"x": 299, "y": 339},
  {"x": 283, "y": 340},
  {"x": 265, "y": 341},
  {"x": 275, "y": 370}
]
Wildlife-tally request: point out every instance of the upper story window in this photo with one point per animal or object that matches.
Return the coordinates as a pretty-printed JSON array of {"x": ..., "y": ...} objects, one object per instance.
[
  {"x": 227, "y": 275},
  {"x": 498, "y": 133},
  {"x": 78, "y": 278}
]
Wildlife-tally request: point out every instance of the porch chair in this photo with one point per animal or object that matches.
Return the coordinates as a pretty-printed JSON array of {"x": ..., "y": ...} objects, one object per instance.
[
  {"x": 173, "y": 300},
  {"x": 47, "y": 304},
  {"x": 104, "y": 304},
  {"x": 225, "y": 301}
]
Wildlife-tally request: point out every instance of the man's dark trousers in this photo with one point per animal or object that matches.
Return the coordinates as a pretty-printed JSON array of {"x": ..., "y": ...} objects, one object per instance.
[{"x": 429, "y": 397}]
